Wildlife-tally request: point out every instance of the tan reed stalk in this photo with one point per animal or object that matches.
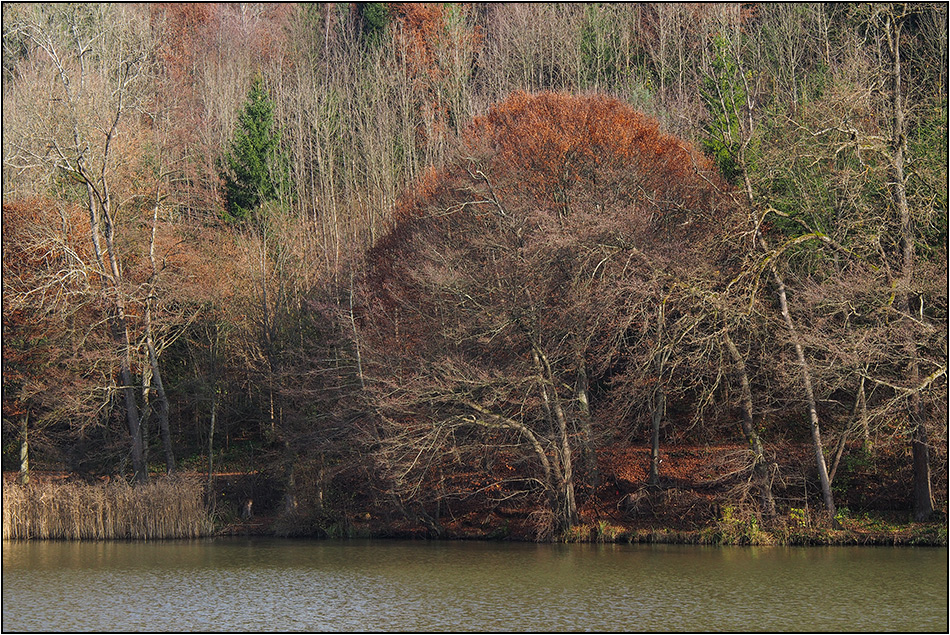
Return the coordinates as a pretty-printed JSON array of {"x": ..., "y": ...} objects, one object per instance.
[{"x": 163, "y": 508}]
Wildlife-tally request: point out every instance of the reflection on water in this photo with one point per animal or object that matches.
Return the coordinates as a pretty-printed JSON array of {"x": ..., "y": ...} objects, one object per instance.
[{"x": 274, "y": 585}]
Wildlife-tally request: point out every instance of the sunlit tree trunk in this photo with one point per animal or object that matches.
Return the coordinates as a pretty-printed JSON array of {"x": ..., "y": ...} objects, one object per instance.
[
  {"x": 809, "y": 395},
  {"x": 100, "y": 213},
  {"x": 24, "y": 476},
  {"x": 743, "y": 112}
]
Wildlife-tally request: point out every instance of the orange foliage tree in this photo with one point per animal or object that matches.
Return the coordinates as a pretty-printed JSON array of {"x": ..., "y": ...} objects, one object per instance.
[{"x": 516, "y": 284}]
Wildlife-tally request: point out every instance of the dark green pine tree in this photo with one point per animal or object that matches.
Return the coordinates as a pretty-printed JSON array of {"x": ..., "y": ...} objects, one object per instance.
[
  {"x": 253, "y": 170},
  {"x": 375, "y": 17}
]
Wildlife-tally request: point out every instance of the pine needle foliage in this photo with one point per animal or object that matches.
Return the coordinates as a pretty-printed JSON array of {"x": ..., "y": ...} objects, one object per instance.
[{"x": 254, "y": 172}]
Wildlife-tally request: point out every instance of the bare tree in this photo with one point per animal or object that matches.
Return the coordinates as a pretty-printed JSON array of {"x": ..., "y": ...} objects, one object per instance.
[
  {"x": 732, "y": 95},
  {"x": 890, "y": 19},
  {"x": 92, "y": 69}
]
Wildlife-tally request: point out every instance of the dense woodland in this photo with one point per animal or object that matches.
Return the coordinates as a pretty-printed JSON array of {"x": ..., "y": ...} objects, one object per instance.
[{"x": 406, "y": 259}]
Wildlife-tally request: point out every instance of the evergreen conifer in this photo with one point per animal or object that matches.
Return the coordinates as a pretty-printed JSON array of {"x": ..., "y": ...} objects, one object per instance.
[{"x": 253, "y": 171}]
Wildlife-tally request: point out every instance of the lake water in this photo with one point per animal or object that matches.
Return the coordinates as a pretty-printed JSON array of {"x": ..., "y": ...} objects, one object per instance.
[{"x": 238, "y": 584}]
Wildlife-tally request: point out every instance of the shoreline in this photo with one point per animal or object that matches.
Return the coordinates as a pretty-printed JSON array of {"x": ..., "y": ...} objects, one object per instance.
[
  {"x": 930, "y": 534},
  {"x": 57, "y": 508}
]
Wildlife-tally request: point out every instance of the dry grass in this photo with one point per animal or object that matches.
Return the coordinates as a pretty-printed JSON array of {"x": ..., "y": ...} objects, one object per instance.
[{"x": 164, "y": 508}]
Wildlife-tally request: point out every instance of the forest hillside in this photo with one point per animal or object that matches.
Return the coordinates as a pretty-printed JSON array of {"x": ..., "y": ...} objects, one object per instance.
[{"x": 470, "y": 269}]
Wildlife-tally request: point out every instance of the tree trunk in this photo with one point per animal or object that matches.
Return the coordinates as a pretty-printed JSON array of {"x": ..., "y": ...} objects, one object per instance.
[
  {"x": 567, "y": 512},
  {"x": 759, "y": 467},
  {"x": 211, "y": 426},
  {"x": 583, "y": 404},
  {"x": 162, "y": 410},
  {"x": 759, "y": 241},
  {"x": 321, "y": 478},
  {"x": 659, "y": 411},
  {"x": 145, "y": 408},
  {"x": 140, "y": 473},
  {"x": 839, "y": 452},
  {"x": 99, "y": 213},
  {"x": 215, "y": 341},
  {"x": 24, "y": 450},
  {"x": 861, "y": 406},
  {"x": 153, "y": 356},
  {"x": 923, "y": 497},
  {"x": 809, "y": 396},
  {"x": 290, "y": 481},
  {"x": 659, "y": 398}
]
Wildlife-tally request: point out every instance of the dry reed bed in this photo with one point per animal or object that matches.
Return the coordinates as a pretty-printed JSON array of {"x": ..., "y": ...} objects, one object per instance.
[{"x": 164, "y": 508}]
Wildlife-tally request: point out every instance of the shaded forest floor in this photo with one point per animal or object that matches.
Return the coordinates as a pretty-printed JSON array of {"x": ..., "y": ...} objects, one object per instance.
[{"x": 704, "y": 497}]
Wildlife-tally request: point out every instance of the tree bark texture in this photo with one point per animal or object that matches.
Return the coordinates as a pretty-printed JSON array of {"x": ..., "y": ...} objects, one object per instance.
[{"x": 759, "y": 467}]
